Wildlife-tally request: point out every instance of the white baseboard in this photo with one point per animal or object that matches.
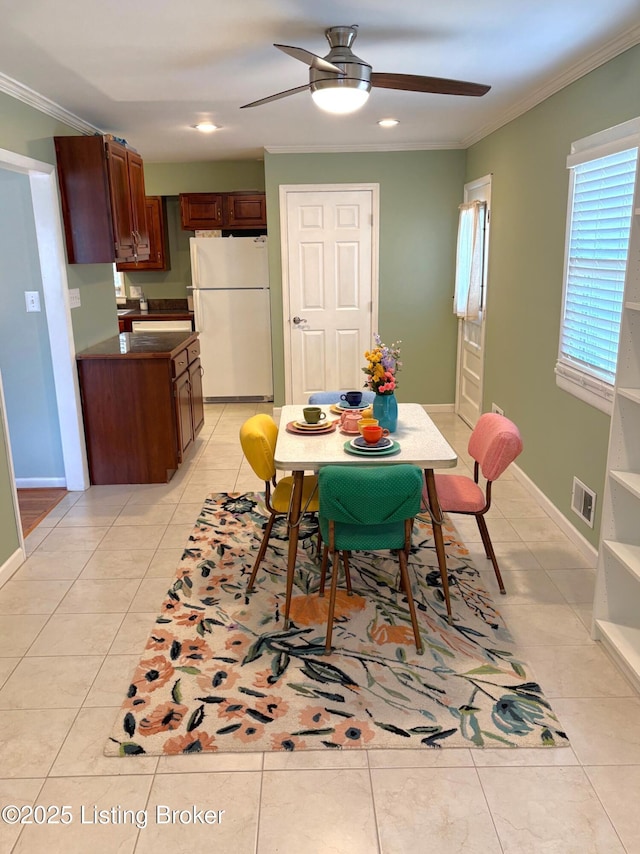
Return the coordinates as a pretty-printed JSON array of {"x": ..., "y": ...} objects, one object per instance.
[
  {"x": 583, "y": 545},
  {"x": 11, "y": 565},
  {"x": 40, "y": 482}
]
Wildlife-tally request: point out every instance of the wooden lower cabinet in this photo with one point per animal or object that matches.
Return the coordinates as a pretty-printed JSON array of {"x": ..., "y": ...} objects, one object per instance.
[
  {"x": 142, "y": 411},
  {"x": 189, "y": 406}
]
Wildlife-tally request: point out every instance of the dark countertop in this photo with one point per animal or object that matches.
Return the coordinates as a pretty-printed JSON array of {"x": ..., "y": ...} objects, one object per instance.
[
  {"x": 156, "y": 314},
  {"x": 139, "y": 345}
]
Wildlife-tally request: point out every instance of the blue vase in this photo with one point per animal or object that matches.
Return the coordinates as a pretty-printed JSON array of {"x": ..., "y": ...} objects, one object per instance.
[{"x": 385, "y": 410}]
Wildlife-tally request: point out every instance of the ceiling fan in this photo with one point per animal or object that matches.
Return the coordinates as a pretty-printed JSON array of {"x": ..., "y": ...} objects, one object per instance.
[{"x": 340, "y": 82}]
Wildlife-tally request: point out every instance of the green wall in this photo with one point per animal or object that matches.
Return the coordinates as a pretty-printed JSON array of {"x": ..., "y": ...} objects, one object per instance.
[
  {"x": 9, "y": 537},
  {"x": 419, "y": 196},
  {"x": 563, "y": 436},
  {"x": 170, "y": 179}
]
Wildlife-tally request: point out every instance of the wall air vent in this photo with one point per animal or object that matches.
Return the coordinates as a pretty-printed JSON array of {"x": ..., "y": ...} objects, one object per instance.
[{"x": 583, "y": 502}]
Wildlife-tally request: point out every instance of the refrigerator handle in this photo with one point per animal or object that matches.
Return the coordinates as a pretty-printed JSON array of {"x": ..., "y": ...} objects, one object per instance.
[
  {"x": 197, "y": 312},
  {"x": 195, "y": 278}
]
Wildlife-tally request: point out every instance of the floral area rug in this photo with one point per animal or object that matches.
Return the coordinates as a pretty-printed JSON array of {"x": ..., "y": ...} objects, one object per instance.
[{"x": 221, "y": 673}]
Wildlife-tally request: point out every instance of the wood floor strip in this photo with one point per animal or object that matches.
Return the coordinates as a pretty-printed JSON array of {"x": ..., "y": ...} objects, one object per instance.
[{"x": 35, "y": 504}]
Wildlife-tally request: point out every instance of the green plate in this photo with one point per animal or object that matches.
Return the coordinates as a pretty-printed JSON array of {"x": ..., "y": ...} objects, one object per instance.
[{"x": 384, "y": 452}]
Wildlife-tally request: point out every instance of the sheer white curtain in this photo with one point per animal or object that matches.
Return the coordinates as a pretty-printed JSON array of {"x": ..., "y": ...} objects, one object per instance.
[{"x": 469, "y": 260}]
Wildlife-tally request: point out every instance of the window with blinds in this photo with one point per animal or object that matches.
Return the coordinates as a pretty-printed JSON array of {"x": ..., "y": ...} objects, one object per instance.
[{"x": 600, "y": 209}]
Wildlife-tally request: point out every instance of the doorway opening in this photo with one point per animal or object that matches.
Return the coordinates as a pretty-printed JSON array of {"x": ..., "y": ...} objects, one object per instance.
[{"x": 51, "y": 257}]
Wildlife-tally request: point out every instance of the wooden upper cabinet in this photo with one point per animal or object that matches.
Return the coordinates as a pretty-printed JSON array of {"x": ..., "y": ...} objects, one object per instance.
[
  {"x": 245, "y": 210},
  {"x": 138, "y": 205},
  {"x": 158, "y": 239},
  {"x": 223, "y": 210},
  {"x": 103, "y": 200},
  {"x": 201, "y": 210}
]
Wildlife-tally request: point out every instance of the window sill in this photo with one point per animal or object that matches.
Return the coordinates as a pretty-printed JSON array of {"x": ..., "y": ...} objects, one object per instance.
[{"x": 588, "y": 389}]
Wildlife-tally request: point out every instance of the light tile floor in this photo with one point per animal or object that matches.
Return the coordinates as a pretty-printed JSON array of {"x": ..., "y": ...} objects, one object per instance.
[{"x": 76, "y": 615}]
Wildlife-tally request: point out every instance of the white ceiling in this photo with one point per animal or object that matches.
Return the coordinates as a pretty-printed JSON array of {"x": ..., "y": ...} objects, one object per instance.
[{"x": 148, "y": 71}]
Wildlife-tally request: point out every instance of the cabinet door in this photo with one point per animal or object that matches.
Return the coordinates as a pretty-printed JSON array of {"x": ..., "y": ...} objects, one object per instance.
[
  {"x": 158, "y": 239},
  {"x": 138, "y": 205},
  {"x": 182, "y": 391},
  {"x": 197, "y": 405},
  {"x": 121, "y": 211},
  {"x": 245, "y": 210},
  {"x": 201, "y": 210}
]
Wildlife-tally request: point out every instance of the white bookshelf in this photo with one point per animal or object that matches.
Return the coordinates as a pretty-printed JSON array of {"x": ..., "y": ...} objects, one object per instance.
[{"x": 616, "y": 612}]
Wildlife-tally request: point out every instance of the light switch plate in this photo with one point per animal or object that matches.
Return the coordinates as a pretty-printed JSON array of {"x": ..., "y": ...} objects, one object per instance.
[
  {"x": 32, "y": 299},
  {"x": 74, "y": 298}
]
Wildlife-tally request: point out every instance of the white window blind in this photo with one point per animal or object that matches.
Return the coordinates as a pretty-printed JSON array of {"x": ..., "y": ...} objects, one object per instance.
[{"x": 601, "y": 199}]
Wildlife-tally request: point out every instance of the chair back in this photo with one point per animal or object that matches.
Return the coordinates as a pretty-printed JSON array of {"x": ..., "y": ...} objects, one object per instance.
[
  {"x": 494, "y": 444},
  {"x": 318, "y": 398},
  {"x": 258, "y": 437},
  {"x": 368, "y": 505}
]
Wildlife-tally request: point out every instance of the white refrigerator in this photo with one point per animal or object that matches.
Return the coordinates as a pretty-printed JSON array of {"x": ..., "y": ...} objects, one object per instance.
[{"x": 230, "y": 287}]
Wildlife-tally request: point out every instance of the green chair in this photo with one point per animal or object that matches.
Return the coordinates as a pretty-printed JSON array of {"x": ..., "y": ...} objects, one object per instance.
[{"x": 367, "y": 508}]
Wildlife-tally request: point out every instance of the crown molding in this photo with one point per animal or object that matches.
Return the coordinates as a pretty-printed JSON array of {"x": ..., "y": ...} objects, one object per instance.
[
  {"x": 34, "y": 99},
  {"x": 360, "y": 149},
  {"x": 608, "y": 51}
]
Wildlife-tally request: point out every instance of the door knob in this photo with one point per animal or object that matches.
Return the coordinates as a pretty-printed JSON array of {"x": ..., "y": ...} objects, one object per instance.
[{"x": 298, "y": 320}]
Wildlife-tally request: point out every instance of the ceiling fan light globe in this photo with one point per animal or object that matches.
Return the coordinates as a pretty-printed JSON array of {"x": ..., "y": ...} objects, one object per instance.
[{"x": 340, "y": 99}]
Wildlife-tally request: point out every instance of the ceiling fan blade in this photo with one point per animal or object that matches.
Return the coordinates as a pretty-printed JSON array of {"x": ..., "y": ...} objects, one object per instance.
[
  {"x": 276, "y": 97},
  {"x": 436, "y": 85},
  {"x": 309, "y": 58}
]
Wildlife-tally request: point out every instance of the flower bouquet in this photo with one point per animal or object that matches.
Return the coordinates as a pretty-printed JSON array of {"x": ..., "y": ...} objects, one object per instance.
[{"x": 383, "y": 363}]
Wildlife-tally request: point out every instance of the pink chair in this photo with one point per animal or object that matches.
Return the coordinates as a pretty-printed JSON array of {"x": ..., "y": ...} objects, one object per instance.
[{"x": 494, "y": 443}]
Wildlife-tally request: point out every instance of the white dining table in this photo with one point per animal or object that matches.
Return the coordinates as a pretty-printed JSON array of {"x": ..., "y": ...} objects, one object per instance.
[{"x": 421, "y": 444}]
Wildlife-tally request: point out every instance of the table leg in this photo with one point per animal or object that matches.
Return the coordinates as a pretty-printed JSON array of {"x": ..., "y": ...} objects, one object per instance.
[
  {"x": 437, "y": 520},
  {"x": 293, "y": 529}
]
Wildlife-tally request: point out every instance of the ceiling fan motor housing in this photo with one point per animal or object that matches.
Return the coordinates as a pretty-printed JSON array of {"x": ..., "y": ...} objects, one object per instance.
[{"x": 356, "y": 72}]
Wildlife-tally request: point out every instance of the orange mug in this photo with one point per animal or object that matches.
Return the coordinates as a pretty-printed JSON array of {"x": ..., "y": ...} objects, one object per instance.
[{"x": 373, "y": 433}]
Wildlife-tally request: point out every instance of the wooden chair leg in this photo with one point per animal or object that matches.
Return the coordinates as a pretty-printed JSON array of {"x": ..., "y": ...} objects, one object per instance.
[
  {"x": 404, "y": 575},
  {"x": 332, "y": 602},
  {"x": 488, "y": 548},
  {"x": 261, "y": 552},
  {"x": 347, "y": 572},
  {"x": 323, "y": 571}
]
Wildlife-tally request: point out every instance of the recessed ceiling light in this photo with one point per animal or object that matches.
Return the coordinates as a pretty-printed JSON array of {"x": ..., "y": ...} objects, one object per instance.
[
  {"x": 388, "y": 123},
  {"x": 206, "y": 127}
]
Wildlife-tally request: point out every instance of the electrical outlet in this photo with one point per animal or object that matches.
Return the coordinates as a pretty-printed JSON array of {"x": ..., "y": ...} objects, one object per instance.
[
  {"x": 32, "y": 299},
  {"x": 495, "y": 408},
  {"x": 135, "y": 292},
  {"x": 74, "y": 298}
]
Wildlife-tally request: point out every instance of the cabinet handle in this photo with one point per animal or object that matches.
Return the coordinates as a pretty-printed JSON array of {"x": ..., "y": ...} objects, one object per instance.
[{"x": 201, "y": 369}]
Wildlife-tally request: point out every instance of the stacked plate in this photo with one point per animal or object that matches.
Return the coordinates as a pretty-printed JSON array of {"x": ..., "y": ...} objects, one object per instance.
[
  {"x": 343, "y": 406},
  {"x": 383, "y": 447},
  {"x": 303, "y": 428}
]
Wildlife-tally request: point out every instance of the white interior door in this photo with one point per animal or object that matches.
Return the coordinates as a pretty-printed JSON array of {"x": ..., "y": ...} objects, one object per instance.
[
  {"x": 330, "y": 286},
  {"x": 470, "y": 362}
]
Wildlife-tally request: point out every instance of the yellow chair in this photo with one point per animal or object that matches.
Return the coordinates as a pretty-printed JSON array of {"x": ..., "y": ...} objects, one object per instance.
[{"x": 258, "y": 437}]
